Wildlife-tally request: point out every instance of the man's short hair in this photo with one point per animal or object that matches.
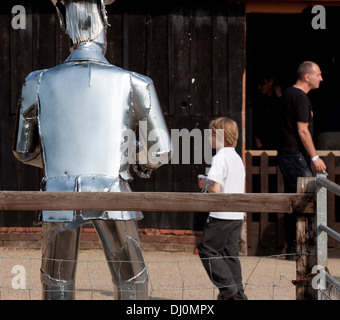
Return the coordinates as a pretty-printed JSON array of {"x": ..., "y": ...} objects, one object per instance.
[{"x": 306, "y": 67}]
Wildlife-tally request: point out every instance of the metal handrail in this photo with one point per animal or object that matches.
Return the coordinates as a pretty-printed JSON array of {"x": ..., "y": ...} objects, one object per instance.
[
  {"x": 321, "y": 180},
  {"x": 335, "y": 188},
  {"x": 329, "y": 185},
  {"x": 329, "y": 231},
  {"x": 333, "y": 281}
]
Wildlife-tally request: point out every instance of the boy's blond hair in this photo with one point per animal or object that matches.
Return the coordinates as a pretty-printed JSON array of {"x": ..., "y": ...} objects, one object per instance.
[{"x": 230, "y": 130}]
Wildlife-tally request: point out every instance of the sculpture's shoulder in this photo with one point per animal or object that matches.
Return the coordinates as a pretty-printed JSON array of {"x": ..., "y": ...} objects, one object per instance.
[
  {"x": 34, "y": 76},
  {"x": 135, "y": 77},
  {"x": 139, "y": 78},
  {"x": 30, "y": 90}
]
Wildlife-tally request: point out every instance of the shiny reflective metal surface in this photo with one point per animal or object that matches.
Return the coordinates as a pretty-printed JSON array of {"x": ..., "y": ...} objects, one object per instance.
[{"x": 79, "y": 122}]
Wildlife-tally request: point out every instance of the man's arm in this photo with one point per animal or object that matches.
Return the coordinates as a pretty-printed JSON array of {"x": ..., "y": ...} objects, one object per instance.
[{"x": 308, "y": 143}]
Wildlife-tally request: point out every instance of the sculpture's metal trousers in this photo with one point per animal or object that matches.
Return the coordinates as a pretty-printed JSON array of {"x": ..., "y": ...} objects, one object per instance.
[{"x": 120, "y": 242}]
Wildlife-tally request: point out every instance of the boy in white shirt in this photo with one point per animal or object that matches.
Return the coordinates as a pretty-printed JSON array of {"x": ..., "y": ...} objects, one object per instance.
[{"x": 218, "y": 247}]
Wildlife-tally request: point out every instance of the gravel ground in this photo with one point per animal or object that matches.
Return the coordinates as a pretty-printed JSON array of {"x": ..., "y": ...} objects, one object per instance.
[{"x": 172, "y": 276}]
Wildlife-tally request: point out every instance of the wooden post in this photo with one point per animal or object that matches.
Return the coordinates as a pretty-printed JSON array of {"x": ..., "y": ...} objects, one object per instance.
[
  {"x": 249, "y": 189},
  {"x": 264, "y": 171},
  {"x": 305, "y": 246}
]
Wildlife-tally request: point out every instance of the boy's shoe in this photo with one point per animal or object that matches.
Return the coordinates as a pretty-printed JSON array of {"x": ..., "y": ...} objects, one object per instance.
[{"x": 227, "y": 294}]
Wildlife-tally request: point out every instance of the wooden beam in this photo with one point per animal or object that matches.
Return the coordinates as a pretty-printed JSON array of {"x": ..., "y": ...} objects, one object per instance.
[
  {"x": 285, "y": 6},
  {"x": 270, "y": 7},
  {"x": 157, "y": 201}
]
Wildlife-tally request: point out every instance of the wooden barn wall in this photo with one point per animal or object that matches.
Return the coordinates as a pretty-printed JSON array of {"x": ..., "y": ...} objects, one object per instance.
[{"x": 194, "y": 54}]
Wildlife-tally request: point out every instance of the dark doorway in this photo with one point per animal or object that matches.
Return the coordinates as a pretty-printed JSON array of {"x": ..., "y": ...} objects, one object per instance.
[{"x": 278, "y": 43}]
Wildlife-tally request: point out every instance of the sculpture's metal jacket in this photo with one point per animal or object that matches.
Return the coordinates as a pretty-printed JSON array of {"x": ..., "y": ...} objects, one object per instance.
[{"x": 74, "y": 117}]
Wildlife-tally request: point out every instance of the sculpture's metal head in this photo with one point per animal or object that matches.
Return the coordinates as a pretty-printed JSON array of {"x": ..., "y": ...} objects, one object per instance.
[{"x": 83, "y": 20}]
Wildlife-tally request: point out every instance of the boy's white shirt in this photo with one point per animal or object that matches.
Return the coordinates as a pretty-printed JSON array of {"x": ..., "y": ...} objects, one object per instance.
[{"x": 227, "y": 169}]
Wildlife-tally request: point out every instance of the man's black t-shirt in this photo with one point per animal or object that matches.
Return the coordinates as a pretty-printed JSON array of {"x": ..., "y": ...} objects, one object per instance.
[{"x": 296, "y": 107}]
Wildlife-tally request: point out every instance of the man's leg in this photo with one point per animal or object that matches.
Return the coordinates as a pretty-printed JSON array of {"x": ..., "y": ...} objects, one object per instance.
[
  {"x": 292, "y": 167},
  {"x": 120, "y": 241}
]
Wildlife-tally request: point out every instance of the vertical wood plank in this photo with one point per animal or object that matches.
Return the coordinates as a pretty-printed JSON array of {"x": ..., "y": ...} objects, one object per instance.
[
  {"x": 21, "y": 57},
  {"x": 157, "y": 62},
  {"x": 163, "y": 182},
  {"x": 220, "y": 64},
  {"x": 264, "y": 189},
  {"x": 236, "y": 65},
  {"x": 158, "y": 70},
  {"x": 281, "y": 239},
  {"x": 8, "y": 167},
  {"x": 200, "y": 62},
  {"x": 198, "y": 122},
  {"x": 114, "y": 50},
  {"x": 62, "y": 43},
  {"x": 43, "y": 39},
  {"x": 4, "y": 89},
  {"x": 135, "y": 33},
  {"x": 182, "y": 171},
  {"x": 249, "y": 189},
  {"x": 179, "y": 45}
]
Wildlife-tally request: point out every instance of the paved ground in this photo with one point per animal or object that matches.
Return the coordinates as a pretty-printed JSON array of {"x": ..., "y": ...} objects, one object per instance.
[{"x": 173, "y": 276}]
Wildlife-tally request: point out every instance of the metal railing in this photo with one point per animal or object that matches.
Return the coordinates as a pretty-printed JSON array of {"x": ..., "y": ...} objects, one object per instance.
[{"x": 322, "y": 232}]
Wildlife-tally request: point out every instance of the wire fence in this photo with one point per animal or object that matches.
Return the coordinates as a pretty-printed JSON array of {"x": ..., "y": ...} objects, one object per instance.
[
  {"x": 175, "y": 278},
  {"x": 179, "y": 276},
  {"x": 172, "y": 276}
]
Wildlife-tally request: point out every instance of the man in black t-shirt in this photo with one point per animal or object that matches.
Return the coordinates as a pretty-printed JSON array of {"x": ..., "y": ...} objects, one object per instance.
[{"x": 296, "y": 146}]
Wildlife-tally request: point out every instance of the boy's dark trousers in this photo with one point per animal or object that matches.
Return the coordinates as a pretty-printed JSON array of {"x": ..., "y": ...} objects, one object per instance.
[{"x": 218, "y": 250}]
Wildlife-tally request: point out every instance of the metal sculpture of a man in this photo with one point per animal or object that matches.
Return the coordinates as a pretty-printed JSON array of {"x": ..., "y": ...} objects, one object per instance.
[{"x": 75, "y": 121}]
